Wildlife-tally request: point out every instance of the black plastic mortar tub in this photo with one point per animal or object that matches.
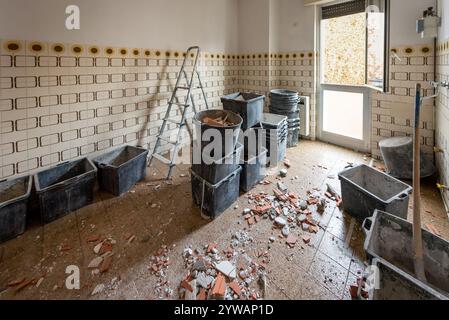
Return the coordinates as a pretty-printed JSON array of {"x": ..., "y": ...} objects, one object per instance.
[
  {"x": 253, "y": 170},
  {"x": 14, "y": 196},
  {"x": 214, "y": 199},
  {"x": 248, "y": 105},
  {"x": 275, "y": 135},
  {"x": 65, "y": 188},
  {"x": 121, "y": 169},
  {"x": 252, "y": 140},
  {"x": 394, "y": 284},
  {"x": 214, "y": 171},
  {"x": 284, "y": 100},
  {"x": 218, "y": 137},
  {"x": 390, "y": 238},
  {"x": 365, "y": 189}
]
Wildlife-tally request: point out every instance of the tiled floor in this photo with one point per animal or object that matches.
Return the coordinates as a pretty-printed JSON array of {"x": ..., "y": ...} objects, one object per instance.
[{"x": 166, "y": 215}]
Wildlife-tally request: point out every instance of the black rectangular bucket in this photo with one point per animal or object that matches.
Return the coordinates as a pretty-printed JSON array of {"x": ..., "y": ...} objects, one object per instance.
[
  {"x": 394, "y": 284},
  {"x": 213, "y": 200},
  {"x": 121, "y": 169},
  {"x": 65, "y": 188},
  {"x": 275, "y": 135},
  {"x": 252, "y": 140},
  {"x": 253, "y": 170},
  {"x": 365, "y": 189},
  {"x": 390, "y": 238},
  {"x": 14, "y": 196},
  {"x": 248, "y": 105},
  {"x": 213, "y": 171}
]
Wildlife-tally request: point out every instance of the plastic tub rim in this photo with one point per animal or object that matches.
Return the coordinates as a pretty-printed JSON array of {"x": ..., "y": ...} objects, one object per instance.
[
  {"x": 22, "y": 197},
  {"x": 214, "y": 186},
  {"x": 99, "y": 163},
  {"x": 197, "y": 121},
  {"x": 401, "y": 196},
  {"x": 227, "y": 97},
  {"x": 65, "y": 182}
]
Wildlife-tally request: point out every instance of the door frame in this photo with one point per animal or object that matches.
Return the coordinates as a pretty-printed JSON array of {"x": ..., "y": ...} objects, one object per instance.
[{"x": 347, "y": 142}]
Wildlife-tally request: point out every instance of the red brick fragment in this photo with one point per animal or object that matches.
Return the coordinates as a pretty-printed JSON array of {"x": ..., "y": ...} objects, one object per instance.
[
  {"x": 186, "y": 285},
  {"x": 235, "y": 287},
  {"x": 219, "y": 288}
]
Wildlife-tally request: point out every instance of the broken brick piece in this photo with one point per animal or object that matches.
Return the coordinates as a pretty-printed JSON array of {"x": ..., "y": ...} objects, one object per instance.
[
  {"x": 23, "y": 285},
  {"x": 65, "y": 248},
  {"x": 186, "y": 285},
  {"x": 93, "y": 238},
  {"x": 16, "y": 282},
  {"x": 201, "y": 295},
  {"x": 235, "y": 287},
  {"x": 262, "y": 209},
  {"x": 313, "y": 229},
  {"x": 211, "y": 247},
  {"x": 106, "y": 247},
  {"x": 106, "y": 264},
  {"x": 219, "y": 288},
  {"x": 251, "y": 221},
  {"x": 306, "y": 239}
]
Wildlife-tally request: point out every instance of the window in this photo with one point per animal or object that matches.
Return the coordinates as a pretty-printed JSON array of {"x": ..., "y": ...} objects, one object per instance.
[{"x": 355, "y": 44}]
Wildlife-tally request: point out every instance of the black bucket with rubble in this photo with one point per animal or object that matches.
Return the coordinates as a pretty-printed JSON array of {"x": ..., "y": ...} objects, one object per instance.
[
  {"x": 14, "y": 196},
  {"x": 219, "y": 130},
  {"x": 389, "y": 240}
]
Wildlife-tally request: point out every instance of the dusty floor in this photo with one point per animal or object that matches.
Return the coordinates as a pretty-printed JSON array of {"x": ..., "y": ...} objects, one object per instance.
[{"x": 166, "y": 215}]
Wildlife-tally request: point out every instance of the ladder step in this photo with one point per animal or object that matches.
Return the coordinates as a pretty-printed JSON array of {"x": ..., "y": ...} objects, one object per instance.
[
  {"x": 167, "y": 140},
  {"x": 174, "y": 121},
  {"x": 187, "y": 88},
  {"x": 162, "y": 158},
  {"x": 180, "y": 104}
]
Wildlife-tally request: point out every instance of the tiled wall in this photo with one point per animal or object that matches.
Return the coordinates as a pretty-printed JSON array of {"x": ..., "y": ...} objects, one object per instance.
[
  {"x": 262, "y": 72},
  {"x": 442, "y": 116},
  {"x": 63, "y": 101},
  {"x": 393, "y": 113}
]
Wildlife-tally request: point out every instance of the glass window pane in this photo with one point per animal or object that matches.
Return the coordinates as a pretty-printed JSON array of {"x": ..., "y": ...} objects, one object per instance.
[
  {"x": 344, "y": 50},
  {"x": 343, "y": 113},
  {"x": 375, "y": 24}
]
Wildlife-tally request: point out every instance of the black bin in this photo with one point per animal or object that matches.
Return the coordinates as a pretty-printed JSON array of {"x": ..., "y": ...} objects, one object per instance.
[
  {"x": 121, "y": 169},
  {"x": 252, "y": 140},
  {"x": 248, "y": 105},
  {"x": 207, "y": 134},
  {"x": 253, "y": 170},
  {"x": 213, "y": 171},
  {"x": 65, "y": 188},
  {"x": 215, "y": 199},
  {"x": 276, "y": 133},
  {"x": 14, "y": 195}
]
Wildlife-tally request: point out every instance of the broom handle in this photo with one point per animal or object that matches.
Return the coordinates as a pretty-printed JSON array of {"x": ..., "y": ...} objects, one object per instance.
[{"x": 417, "y": 231}]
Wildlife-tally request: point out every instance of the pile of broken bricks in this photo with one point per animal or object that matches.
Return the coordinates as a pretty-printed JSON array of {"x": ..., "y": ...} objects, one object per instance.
[
  {"x": 160, "y": 262},
  {"x": 287, "y": 211},
  {"x": 226, "y": 275}
]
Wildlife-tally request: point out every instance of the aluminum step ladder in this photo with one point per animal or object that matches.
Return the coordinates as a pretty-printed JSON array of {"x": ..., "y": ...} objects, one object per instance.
[{"x": 174, "y": 100}]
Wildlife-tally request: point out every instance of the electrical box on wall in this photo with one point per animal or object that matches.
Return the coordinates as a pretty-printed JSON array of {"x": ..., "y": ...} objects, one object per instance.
[{"x": 428, "y": 25}]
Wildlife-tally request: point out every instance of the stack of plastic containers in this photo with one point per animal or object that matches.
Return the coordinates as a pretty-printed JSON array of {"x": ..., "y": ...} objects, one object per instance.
[
  {"x": 275, "y": 136},
  {"x": 285, "y": 103},
  {"x": 216, "y": 161},
  {"x": 254, "y": 158}
]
